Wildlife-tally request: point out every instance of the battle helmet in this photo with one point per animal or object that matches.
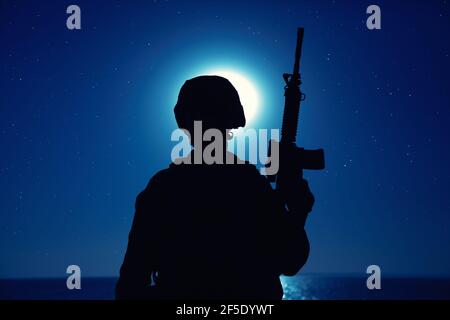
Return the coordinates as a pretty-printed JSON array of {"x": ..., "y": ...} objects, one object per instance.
[{"x": 212, "y": 100}]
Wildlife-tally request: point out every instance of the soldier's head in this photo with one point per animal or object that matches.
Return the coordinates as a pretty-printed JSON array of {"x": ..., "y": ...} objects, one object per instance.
[{"x": 212, "y": 100}]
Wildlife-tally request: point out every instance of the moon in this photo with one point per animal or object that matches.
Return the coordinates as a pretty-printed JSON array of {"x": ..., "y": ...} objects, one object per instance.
[{"x": 246, "y": 89}]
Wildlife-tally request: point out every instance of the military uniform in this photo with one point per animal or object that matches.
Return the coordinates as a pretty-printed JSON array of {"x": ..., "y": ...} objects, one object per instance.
[{"x": 212, "y": 231}]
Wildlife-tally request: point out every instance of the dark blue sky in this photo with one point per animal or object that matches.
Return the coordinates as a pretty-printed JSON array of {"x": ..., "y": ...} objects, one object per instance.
[{"x": 86, "y": 118}]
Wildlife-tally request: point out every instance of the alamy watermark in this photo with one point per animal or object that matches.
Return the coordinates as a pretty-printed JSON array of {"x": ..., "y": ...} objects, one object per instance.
[
  {"x": 73, "y": 21},
  {"x": 374, "y": 280},
  {"x": 74, "y": 279},
  {"x": 209, "y": 147},
  {"x": 373, "y": 22}
]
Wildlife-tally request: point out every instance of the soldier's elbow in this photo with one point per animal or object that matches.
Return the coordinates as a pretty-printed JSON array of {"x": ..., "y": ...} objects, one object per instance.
[
  {"x": 294, "y": 267},
  {"x": 297, "y": 261}
]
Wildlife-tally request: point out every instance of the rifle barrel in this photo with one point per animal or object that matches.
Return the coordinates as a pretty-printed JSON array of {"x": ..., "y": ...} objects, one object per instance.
[{"x": 298, "y": 51}]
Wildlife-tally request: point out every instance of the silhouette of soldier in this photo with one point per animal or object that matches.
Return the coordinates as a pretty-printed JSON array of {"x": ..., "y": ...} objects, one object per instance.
[{"x": 215, "y": 231}]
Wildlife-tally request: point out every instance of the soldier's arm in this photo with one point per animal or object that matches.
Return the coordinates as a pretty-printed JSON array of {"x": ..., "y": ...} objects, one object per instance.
[
  {"x": 139, "y": 261},
  {"x": 289, "y": 211},
  {"x": 299, "y": 202}
]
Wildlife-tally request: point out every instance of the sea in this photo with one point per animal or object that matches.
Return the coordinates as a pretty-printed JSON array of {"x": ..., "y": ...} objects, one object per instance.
[{"x": 300, "y": 287}]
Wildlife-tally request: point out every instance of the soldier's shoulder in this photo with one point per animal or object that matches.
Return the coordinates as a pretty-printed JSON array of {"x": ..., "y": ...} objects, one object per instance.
[
  {"x": 161, "y": 177},
  {"x": 155, "y": 186}
]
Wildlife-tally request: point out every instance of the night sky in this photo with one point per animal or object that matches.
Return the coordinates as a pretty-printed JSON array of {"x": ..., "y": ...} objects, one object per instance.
[{"x": 86, "y": 117}]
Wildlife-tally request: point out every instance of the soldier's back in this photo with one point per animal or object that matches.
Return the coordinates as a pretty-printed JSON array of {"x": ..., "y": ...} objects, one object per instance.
[{"x": 213, "y": 228}]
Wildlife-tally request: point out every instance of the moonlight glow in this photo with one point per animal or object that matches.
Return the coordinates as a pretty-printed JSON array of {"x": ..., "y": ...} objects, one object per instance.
[{"x": 246, "y": 89}]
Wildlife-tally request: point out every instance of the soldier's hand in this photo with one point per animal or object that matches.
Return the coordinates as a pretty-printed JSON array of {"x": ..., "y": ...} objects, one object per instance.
[{"x": 299, "y": 198}]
